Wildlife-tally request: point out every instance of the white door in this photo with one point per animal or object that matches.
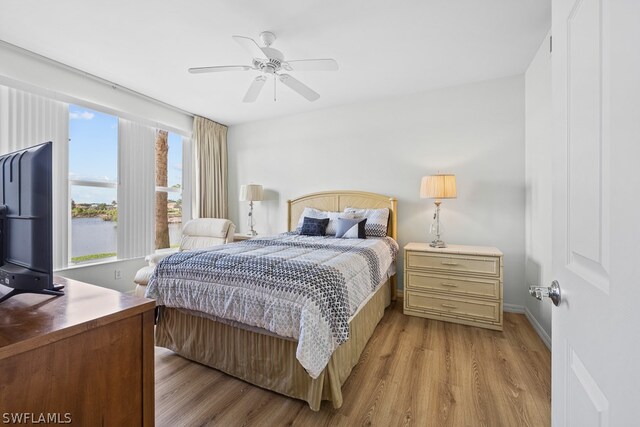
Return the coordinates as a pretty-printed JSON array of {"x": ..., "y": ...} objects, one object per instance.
[{"x": 596, "y": 218}]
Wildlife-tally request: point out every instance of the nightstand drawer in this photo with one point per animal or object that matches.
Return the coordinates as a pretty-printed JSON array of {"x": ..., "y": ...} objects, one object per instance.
[
  {"x": 477, "y": 309},
  {"x": 453, "y": 285},
  {"x": 453, "y": 263}
]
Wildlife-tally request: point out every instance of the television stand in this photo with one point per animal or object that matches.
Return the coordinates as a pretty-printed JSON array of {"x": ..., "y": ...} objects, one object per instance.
[
  {"x": 56, "y": 291},
  {"x": 86, "y": 357}
]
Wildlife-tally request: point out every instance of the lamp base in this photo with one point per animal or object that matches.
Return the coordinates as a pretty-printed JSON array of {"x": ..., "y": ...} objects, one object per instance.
[
  {"x": 438, "y": 244},
  {"x": 252, "y": 233}
]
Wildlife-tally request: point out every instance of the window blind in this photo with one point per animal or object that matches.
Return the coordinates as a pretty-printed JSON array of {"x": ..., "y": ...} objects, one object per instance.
[
  {"x": 136, "y": 189},
  {"x": 27, "y": 119}
]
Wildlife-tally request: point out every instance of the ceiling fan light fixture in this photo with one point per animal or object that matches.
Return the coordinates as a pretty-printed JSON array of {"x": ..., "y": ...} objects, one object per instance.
[
  {"x": 267, "y": 38},
  {"x": 270, "y": 62}
]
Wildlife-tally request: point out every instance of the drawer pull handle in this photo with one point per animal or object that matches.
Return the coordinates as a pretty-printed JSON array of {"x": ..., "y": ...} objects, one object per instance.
[
  {"x": 449, "y": 263},
  {"x": 450, "y": 285},
  {"x": 449, "y": 306}
]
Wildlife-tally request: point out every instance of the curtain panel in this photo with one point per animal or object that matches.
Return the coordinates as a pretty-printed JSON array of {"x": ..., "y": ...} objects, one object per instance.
[
  {"x": 136, "y": 189},
  {"x": 188, "y": 181},
  {"x": 210, "y": 140},
  {"x": 26, "y": 120}
]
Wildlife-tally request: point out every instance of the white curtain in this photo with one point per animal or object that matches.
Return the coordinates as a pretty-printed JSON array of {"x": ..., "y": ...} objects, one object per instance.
[
  {"x": 136, "y": 189},
  {"x": 25, "y": 120}
]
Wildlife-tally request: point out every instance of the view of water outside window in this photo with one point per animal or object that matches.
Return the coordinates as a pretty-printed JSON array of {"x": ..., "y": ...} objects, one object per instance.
[
  {"x": 93, "y": 175},
  {"x": 93, "y": 225},
  {"x": 93, "y": 178}
]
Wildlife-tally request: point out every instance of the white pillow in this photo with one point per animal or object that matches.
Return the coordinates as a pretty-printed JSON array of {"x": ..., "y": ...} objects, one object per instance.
[
  {"x": 377, "y": 220},
  {"x": 348, "y": 228},
  {"x": 317, "y": 213}
]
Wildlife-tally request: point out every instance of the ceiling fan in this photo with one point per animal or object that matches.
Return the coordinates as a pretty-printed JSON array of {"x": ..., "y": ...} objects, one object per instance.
[{"x": 271, "y": 61}]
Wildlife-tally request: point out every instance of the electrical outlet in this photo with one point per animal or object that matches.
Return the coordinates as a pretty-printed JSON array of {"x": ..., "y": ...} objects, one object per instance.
[{"x": 117, "y": 274}]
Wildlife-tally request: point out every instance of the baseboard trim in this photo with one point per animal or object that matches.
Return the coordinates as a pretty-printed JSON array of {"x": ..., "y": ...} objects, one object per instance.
[
  {"x": 546, "y": 339},
  {"x": 515, "y": 308}
]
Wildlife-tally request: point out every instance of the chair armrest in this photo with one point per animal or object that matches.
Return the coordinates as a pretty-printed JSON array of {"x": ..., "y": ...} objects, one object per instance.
[
  {"x": 154, "y": 259},
  {"x": 230, "y": 233}
]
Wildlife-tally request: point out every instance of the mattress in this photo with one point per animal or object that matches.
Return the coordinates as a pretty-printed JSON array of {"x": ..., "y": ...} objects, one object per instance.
[{"x": 299, "y": 287}]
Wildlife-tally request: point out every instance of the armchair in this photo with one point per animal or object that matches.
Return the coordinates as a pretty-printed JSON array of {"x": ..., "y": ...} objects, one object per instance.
[{"x": 196, "y": 234}]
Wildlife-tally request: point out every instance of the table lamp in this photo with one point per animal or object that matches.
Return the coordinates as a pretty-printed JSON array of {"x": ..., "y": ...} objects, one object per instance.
[
  {"x": 441, "y": 186},
  {"x": 251, "y": 193}
]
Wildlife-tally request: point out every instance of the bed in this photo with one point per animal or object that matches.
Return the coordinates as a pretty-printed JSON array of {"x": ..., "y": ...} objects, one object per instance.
[{"x": 260, "y": 353}]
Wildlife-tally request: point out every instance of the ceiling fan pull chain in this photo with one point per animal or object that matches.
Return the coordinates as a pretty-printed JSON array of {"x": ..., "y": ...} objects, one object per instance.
[{"x": 274, "y": 88}]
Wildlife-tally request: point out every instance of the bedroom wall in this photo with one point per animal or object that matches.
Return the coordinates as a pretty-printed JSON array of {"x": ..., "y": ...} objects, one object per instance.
[
  {"x": 538, "y": 183},
  {"x": 475, "y": 131},
  {"x": 104, "y": 274}
]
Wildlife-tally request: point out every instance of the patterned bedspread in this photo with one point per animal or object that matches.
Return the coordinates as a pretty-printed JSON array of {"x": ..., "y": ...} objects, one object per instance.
[{"x": 301, "y": 287}]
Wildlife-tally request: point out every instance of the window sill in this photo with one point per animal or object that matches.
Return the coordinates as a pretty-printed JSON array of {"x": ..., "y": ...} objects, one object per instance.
[{"x": 106, "y": 261}]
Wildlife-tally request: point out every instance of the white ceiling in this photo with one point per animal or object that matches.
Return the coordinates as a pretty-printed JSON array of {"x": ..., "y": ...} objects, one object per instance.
[{"x": 383, "y": 47}]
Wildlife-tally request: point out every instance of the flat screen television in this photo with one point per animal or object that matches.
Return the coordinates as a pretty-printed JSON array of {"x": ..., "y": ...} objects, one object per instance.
[{"x": 26, "y": 224}]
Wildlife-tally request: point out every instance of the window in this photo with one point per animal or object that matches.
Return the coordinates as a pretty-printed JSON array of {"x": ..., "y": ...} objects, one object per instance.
[
  {"x": 93, "y": 180},
  {"x": 97, "y": 182},
  {"x": 168, "y": 190}
]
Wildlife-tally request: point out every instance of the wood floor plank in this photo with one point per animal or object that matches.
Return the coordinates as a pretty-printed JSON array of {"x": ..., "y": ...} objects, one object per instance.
[
  {"x": 539, "y": 367},
  {"x": 413, "y": 372},
  {"x": 511, "y": 388},
  {"x": 480, "y": 408},
  {"x": 394, "y": 378},
  {"x": 368, "y": 378},
  {"x": 444, "y": 406},
  {"x": 411, "y": 393}
]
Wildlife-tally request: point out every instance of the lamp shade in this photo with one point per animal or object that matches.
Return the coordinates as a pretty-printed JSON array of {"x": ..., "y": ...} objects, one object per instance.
[
  {"x": 438, "y": 187},
  {"x": 251, "y": 192}
]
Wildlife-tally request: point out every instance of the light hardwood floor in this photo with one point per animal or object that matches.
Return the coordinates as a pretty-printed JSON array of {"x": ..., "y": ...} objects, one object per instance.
[{"x": 414, "y": 371}]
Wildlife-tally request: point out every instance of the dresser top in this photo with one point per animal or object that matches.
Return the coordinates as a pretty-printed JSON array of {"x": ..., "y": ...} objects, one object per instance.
[
  {"x": 27, "y": 319},
  {"x": 454, "y": 249}
]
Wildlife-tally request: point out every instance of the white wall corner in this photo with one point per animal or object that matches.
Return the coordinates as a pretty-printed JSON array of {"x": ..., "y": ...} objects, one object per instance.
[
  {"x": 520, "y": 309},
  {"x": 538, "y": 183},
  {"x": 546, "y": 339}
]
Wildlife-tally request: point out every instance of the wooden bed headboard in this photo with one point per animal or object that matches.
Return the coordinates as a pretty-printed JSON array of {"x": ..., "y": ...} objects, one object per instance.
[{"x": 338, "y": 200}]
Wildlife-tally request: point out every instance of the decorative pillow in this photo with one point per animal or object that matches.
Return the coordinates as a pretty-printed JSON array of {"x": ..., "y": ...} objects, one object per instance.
[
  {"x": 377, "y": 220},
  {"x": 348, "y": 228},
  {"x": 314, "y": 226},
  {"x": 317, "y": 213}
]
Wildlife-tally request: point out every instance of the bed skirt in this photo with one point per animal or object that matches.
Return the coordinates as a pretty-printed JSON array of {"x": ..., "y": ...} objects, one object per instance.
[{"x": 270, "y": 361}]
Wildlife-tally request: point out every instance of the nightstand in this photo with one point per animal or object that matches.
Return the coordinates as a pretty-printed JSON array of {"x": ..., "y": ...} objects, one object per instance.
[
  {"x": 460, "y": 284},
  {"x": 239, "y": 237}
]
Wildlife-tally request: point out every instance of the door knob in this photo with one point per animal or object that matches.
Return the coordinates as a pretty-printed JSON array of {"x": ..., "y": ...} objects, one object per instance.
[{"x": 552, "y": 292}]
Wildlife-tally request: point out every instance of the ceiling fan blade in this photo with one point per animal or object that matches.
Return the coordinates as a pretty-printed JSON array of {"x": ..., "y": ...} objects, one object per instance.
[
  {"x": 254, "y": 89},
  {"x": 299, "y": 87},
  {"x": 251, "y": 46},
  {"x": 311, "y": 65},
  {"x": 199, "y": 70}
]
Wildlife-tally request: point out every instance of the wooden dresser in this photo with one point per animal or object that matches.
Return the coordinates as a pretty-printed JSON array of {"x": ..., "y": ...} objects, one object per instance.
[
  {"x": 85, "y": 357},
  {"x": 461, "y": 284}
]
